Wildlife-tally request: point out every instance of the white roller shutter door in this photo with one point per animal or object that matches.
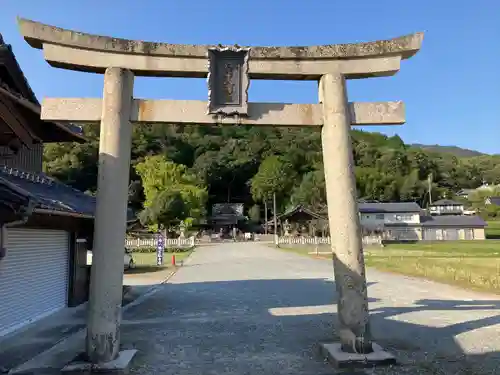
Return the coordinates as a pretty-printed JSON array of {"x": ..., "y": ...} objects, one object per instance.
[{"x": 33, "y": 276}]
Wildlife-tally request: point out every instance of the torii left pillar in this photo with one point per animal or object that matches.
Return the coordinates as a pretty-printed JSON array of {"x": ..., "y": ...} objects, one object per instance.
[{"x": 105, "y": 302}]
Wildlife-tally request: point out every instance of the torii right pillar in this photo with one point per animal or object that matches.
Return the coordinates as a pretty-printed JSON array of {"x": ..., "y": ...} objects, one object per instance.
[{"x": 356, "y": 346}]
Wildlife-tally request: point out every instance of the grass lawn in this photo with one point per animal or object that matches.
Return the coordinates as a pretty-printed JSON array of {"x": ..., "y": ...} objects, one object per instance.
[
  {"x": 148, "y": 260},
  {"x": 470, "y": 264},
  {"x": 493, "y": 229},
  {"x": 308, "y": 250}
]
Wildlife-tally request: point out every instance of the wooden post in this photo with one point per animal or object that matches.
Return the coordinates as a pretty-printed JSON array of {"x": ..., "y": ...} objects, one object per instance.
[
  {"x": 275, "y": 221},
  {"x": 265, "y": 216}
]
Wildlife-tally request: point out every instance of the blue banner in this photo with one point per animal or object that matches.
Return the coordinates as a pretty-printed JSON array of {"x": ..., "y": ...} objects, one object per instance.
[{"x": 160, "y": 249}]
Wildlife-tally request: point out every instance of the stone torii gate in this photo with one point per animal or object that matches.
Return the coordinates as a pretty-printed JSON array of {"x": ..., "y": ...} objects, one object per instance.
[{"x": 229, "y": 71}]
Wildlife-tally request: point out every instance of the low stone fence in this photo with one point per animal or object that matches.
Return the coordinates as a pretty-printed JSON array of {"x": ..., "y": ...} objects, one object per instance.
[
  {"x": 299, "y": 240},
  {"x": 241, "y": 237},
  {"x": 137, "y": 243},
  {"x": 318, "y": 241}
]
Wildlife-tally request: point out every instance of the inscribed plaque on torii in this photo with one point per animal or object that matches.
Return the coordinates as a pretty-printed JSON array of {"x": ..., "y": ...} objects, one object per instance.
[{"x": 228, "y": 81}]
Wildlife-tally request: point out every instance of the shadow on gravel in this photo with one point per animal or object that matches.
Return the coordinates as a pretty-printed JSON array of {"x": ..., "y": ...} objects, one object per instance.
[
  {"x": 276, "y": 325},
  {"x": 435, "y": 348}
]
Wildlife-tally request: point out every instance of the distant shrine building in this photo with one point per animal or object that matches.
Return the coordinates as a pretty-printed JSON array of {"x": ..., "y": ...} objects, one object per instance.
[{"x": 226, "y": 216}]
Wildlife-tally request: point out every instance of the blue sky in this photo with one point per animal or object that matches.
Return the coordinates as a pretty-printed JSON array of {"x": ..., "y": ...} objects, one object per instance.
[{"x": 451, "y": 87}]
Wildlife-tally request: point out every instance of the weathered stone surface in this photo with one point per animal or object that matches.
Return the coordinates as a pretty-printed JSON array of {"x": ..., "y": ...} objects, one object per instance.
[
  {"x": 103, "y": 328},
  {"x": 343, "y": 218},
  {"x": 37, "y": 33},
  {"x": 194, "y": 112},
  {"x": 166, "y": 66},
  {"x": 80, "y": 51}
]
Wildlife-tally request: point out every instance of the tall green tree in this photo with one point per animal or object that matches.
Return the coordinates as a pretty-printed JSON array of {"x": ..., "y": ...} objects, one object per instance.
[
  {"x": 247, "y": 164},
  {"x": 254, "y": 214},
  {"x": 276, "y": 175},
  {"x": 172, "y": 194},
  {"x": 311, "y": 191}
]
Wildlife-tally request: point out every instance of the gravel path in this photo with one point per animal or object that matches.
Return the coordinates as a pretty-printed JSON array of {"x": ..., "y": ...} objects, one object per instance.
[{"x": 248, "y": 309}]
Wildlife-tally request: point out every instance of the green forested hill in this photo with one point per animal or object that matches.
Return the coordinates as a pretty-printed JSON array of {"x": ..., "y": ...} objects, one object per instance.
[
  {"x": 248, "y": 164},
  {"x": 454, "y": 150}
]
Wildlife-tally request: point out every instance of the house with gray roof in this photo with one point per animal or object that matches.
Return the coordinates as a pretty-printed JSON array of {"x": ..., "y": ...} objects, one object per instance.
[
  {"x": 452, "y": 227},
  {"x": 446, "y": 207},
  {"x": 406, "y": 221},
  {"x": 400, "y": 220}
]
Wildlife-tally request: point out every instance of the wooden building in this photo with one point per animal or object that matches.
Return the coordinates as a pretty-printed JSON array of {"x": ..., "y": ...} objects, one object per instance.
[
  {"x": 226, "y": 216},
  {"x": 300, "y": 221},
  {"x": 395, "y": 221},
  {"x": 46, "y": 226}
]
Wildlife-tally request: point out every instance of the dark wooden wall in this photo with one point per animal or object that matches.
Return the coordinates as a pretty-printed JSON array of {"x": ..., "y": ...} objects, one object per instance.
[{"x": 29, "y": 160}]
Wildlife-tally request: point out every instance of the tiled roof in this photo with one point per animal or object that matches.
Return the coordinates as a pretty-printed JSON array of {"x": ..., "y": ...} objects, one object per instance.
[
  {"x": 49, "y": 193},
  {"x": 23, "y": 95},
  {"x": 446, "y": 202},
  {"x": 452, "y": 221},
  {"x": 14, "y": 200},
  {"x": 389, "y": 207},
  {"x": 300, "y": 208}
]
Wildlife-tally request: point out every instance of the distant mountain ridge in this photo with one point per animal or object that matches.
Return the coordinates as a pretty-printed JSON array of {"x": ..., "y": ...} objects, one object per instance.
[{"x": 455, "y": 150}]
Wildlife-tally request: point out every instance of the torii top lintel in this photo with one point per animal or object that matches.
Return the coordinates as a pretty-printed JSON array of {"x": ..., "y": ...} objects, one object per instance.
[{"x": 74, "y": 50}]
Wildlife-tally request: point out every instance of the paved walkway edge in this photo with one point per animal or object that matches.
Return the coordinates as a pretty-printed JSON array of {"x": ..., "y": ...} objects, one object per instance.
[{"x": 65, "y": 350}]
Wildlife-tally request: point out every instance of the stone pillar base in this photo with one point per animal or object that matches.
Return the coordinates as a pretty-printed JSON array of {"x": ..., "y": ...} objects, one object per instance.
[
  {"x": 119, "y": 366},
  {"x": 340, "y": 359}
]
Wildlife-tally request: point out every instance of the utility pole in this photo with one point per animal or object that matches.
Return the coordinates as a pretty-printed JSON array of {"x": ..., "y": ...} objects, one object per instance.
[
  {"x": 265, "y": 217},
  {"x": 275, "y": 221},
  {"x": 429, "y": 180}
]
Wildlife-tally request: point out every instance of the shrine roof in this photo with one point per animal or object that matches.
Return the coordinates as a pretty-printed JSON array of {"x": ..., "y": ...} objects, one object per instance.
[{"x": 300, "y": 209}]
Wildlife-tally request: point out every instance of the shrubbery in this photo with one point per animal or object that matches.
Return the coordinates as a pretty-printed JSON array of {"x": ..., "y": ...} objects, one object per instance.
[{"x": 490, "y": 212}]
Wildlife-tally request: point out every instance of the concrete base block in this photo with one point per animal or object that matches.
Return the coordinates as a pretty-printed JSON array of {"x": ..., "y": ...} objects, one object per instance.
[
  {"x": 341, "y": 359},
  {"x": 119, "y": 366}
]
